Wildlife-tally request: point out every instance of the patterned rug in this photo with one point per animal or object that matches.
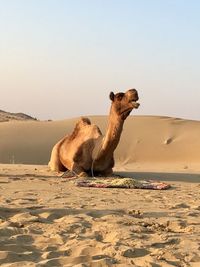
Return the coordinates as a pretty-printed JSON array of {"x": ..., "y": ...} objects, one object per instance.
[
  {"x": 116, "y": 181},
  {"x": 113, "y": 182}
]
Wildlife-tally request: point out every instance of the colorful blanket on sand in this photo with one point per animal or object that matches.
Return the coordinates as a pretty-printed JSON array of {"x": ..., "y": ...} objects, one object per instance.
[{"x": 113, "y": 182}]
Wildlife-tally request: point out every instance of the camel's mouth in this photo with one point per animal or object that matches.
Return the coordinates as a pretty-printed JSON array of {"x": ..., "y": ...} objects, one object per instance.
[
  {"x": 132, "y": 104},
  {"x": 135, "y": 104},
  {"x": 133, "y": 99}
]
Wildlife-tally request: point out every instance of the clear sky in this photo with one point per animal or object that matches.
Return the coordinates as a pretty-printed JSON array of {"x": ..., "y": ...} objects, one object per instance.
[{"x": 61, "y": 58}]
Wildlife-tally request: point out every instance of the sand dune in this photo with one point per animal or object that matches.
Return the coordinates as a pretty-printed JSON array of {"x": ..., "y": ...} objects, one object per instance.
[
  {"x": 148, "y": 140},
  {"x": 8, "y": 116},
  {"x": 46, "y": 220}
]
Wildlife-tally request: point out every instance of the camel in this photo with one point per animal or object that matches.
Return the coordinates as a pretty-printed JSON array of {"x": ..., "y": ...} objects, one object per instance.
[{"x": 86, "y": 151}]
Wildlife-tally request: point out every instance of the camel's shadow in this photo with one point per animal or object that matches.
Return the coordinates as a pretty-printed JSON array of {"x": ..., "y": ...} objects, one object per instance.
[{"x": 162, "y": 176}]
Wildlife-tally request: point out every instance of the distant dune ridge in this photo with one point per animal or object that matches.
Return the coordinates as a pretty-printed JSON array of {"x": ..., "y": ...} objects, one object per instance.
[
  {"x": 149, "y": 140},
  {"x": 8, "y": 116}
]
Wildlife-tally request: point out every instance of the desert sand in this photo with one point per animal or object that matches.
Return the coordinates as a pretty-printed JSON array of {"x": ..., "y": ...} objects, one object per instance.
[{"x": 46, "y": 220}]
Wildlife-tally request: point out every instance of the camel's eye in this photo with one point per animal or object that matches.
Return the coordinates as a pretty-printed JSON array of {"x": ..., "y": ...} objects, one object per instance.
[{"x": 119, "y": 96}]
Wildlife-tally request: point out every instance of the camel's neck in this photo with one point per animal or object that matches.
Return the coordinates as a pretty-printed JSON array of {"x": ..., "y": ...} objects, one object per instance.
[{"x": 112, "y": 136}]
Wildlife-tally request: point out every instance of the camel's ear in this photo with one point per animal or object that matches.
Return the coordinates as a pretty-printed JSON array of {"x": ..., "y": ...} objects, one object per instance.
[{"x": 112, "y": 96}]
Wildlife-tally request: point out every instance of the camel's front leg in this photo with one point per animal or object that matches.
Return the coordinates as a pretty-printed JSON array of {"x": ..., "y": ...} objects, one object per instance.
[
  {"x": 78, "y": 170},
  {"x": 107, "y": 173}
]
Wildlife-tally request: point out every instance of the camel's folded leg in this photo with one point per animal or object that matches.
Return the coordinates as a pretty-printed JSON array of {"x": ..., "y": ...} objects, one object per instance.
[
  {"x": 78, "y": 170},
  {"x": 107, "y": 173},
  {"x": 55, "y": 163}
]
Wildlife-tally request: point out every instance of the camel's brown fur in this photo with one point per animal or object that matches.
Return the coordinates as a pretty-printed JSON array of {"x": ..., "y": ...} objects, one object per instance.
[{"x": 86, "y": 149}]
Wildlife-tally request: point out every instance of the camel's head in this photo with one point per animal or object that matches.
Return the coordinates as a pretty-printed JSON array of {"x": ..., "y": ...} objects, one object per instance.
[{"x": 124, "y": 103}]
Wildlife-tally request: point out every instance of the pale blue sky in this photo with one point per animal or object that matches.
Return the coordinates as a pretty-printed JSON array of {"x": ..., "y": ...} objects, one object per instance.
[{"x": 60, "y": 59}]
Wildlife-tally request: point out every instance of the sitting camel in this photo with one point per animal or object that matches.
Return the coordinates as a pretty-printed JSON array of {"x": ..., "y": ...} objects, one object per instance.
[{"x": 86, "y": 151}]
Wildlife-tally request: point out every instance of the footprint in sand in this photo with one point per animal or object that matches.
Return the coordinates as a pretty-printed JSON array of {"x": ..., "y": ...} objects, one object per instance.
[
  {"x": 4, "y": 181},
  {"x": 29, "y": 199},
  {"x": 168, "y": 140},
  {"x": 31, "y": 193},
  {"x": 23, "y": 218},
  {"x": 8, "y": 231},
  {"x": 134, "y": 253},
  {"x": 170, "y": 242},
  {"x": 25, "y": 201},
  {"x": 178, "y": 226},
  {"x": 11, "y": 257},
  {"x": 14, "y": 178},
  {"x": 180, "y": 206},
  {"x": 49, "y": 216},
  {"x": 24, "y": 238},
  {"x": 103, "y": 260},
  {"x": 56, "y": 254}
]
